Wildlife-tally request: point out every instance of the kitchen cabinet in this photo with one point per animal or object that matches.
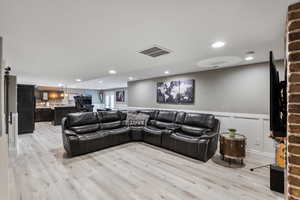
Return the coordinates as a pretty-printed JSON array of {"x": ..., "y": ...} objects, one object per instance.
[
  {"x": 26, "y": 108},
  {"x": 43, "y": 115},
  {"x": 49, "y": 95}
]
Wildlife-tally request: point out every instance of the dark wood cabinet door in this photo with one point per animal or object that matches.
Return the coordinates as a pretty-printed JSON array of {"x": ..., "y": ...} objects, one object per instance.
[
  {"x": 43, "y": 115},
  {"x": 26, "y": 108}
]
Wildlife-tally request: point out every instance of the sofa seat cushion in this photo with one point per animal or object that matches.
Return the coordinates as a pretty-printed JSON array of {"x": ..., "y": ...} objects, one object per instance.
[
  {"x": 152, "y": 130},
  {"x": 194, "y": 131},
  {"x": 118, "y": 136},
  {"x": 85, "y": 128},
  {"x": 94, "y": 141},
  {"x": 163, "y": 125},
  {"x": 185, "y": 138},
  {"x": 93, "y": 136},
  {"x": 119, "y": 130},
  {"x": 111, "y": 125},
  {"x": 152, "y": 135},
  {"x": 185, "y": 144}
]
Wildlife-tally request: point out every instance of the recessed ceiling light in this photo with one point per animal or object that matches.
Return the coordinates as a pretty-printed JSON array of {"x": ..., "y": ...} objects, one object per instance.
[
  {"x": 167, "y": 72},
  {"x": 78, "y": 80},
  {"x": 112, "y": 71},
  {"x": 130, "y": 78},
  {"x": 218, "y": 44},
  {"x": 249, "y": 56},
  {"x": 100, "y": 81}
]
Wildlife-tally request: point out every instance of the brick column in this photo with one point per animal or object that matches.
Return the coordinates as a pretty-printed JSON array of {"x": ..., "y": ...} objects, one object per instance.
[{"x": 293, "y": 70}]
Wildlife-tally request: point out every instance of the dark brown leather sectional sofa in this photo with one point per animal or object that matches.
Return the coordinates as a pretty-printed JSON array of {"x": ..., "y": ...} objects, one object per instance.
[{"x": 191, "y": 134}]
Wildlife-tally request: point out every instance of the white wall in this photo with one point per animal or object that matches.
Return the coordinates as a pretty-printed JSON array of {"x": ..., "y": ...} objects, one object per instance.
[
  {"x": 240, "y": 89},
  {"x": 3, "y": 168},
  {"x": 118, "y": 105},
  {"x": 3, "y": 138}
]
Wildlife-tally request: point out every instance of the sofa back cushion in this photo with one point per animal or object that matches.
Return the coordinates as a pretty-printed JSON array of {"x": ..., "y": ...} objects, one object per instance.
[
  {"x": 163, "y": 125},
  {"x": 200, "y": 120},
  {"x": 82, "y": 118},
  {"x": 166, "y": 116},
  {"x": 180, "y": 118},
  {"x": 194, "y": 131},
  {"x": 83, "y": 129},
  {"x": 109, "y": 116},
  {"x": 123, "y": 115},
  {"x": 111, "y": 125},
  {"x": 151, "y": 113}
]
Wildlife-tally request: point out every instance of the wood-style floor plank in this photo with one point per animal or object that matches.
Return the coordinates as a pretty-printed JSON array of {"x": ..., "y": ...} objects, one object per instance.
[{"x": 138, "y": 171}]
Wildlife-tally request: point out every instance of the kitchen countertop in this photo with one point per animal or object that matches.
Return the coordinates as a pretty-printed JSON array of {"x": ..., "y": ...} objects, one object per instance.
[{"x": 54, "y": 106}]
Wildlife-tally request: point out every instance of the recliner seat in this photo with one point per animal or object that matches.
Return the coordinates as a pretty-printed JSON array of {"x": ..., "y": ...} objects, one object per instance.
[
  {"x": 158, "y": 126},
  {"x": 191, "y": 134}
]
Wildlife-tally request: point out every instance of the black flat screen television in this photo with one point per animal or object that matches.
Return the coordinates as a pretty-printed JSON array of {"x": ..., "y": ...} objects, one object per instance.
[{"x": 278, "y": 96}]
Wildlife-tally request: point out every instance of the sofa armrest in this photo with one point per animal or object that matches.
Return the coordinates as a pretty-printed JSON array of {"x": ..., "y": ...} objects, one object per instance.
[
  {"x": 71, "y": 142},
  {"x": 209, "y": 135},
  {"x": 64, "y": 124},
  {"x": 69, "y": 133},
  {"x": 208, "y": 144}
]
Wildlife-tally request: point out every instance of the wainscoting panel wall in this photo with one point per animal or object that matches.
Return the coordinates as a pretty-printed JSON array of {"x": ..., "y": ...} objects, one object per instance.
[
  {"x": 268, "y": 145},
  {"x": 254, "y": 126},
  {"x": 251, "y": 128}
]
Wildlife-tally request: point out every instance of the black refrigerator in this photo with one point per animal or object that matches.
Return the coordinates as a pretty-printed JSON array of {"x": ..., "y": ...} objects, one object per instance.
[{"x": 26, "y": 108}]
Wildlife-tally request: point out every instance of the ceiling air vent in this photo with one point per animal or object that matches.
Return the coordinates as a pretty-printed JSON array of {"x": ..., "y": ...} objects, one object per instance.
[{"x": 155, "y": 51}]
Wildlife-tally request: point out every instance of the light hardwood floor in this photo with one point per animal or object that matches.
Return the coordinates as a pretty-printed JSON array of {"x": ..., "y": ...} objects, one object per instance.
[{"x": 41, "y": 171}]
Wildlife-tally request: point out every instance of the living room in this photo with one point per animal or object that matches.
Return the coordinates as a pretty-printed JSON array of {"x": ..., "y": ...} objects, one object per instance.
[{"x": 137, "y": 100}]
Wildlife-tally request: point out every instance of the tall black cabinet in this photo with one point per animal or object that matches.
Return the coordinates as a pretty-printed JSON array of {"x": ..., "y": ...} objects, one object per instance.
[{"x": 26, "y": 108}]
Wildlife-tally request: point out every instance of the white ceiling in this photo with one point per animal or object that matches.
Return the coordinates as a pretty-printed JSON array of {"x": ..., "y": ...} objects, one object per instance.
[{"x": 51, "y": 42}]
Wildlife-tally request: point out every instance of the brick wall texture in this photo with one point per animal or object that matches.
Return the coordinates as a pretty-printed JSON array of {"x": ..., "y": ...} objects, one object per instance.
[{"x": 293, "y": 67}]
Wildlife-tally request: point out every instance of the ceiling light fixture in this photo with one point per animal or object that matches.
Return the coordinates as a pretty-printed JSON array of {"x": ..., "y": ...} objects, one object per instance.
[
  {"x": 167, "y": 72},
  {"x": 112, "y": 71},
  {"x": 60, "y": 85},
  {"x": 78, "y": 80},
  {"x": 218, "y": 44},
  {"x": 130, "y": 78},
  {"x": 249, "y": 56}
]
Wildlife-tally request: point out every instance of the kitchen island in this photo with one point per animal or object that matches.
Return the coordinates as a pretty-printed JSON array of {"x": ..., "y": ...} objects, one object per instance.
[
  {"x": 43, "y": 114},
  {"x": 53, "y": 114}
]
